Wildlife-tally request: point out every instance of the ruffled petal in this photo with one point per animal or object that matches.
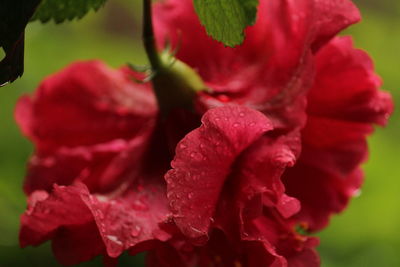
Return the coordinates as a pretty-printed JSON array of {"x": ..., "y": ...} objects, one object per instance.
[
  {"x": 343, "y": 105},
  {"x": 279, "y": 236},
  {"x": 346, "y": 86},
  {"x": 88, "y": 123},
  {"x": 259, "y": 172},
  {"x": 332, "y": 17},
  {"x": 203, "y": 162},
  {"x": 47, "y": 213},
  {"x": 101, "y": 167},
  {"x": 73, "y": 218},
  {"x": 87, "y": 103}
]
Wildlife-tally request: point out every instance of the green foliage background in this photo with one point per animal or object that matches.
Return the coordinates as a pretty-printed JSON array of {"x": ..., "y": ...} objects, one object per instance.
[{"x": 365, "y": 235}]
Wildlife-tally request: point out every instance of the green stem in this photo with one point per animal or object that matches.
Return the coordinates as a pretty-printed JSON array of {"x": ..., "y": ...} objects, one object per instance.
[{"x": 148, "y": 36}]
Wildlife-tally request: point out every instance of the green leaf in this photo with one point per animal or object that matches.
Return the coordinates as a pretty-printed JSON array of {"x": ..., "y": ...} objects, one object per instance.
[
  {"x": 61, "y": 10},
  {"x": 225, "y": 20}
]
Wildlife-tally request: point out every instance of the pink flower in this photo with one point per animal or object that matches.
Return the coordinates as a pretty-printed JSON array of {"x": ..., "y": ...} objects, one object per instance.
[{"x": 275, "y": 142}]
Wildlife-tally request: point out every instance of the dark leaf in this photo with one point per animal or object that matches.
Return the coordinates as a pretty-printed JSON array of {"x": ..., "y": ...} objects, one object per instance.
[
  {"x": 61, "y": 10},
  {"x": 14, "y": 15}
]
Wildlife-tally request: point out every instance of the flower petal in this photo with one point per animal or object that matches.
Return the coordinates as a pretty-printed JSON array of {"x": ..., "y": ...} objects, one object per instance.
[
  {"x": 72, "y": 217},
  {"x": 279, "y": 236},
  {"x": 203, "y": 162},
  {"x": 88, "y": 123},
  {"x": 332, "y": 17},
  {"x": 346, "y": 86},
  {"x": 85, "y": 104},
  {"x": 342, "y": 105},
  {"x": 260, "y": 169}
]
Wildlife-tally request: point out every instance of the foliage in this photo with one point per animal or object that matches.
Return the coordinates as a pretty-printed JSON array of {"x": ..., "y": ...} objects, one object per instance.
[
  {"x": 61, "y": 10},
  {"x": 225, "y": 20}
]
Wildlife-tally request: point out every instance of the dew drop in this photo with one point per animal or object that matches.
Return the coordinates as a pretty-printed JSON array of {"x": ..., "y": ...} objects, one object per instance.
[
  {"x": 241, "y": 114},
  {"x": 140, "y": 205},
  {"x": 114, "y": 239},
  {"x": 236, "y": 125},
  {"x": 196, "y": 156},
  {"x": 136, "y": 231},
  {"x": 190, "y": 195},
  {"x": 182, "y": 146},
  {"x": 100, "y": 215}
]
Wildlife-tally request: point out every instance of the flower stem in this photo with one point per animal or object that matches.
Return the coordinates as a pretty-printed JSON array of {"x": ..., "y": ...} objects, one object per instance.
[{"x": 148, "y": 36}]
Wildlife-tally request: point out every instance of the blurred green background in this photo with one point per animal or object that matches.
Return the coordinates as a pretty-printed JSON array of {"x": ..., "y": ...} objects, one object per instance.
[{"x": 366, "y": 234}]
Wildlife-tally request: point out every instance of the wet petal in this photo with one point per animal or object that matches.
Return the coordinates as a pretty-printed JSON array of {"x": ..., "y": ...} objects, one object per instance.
[
  {"x": 203, "y": 162},
  {"x": 72, "y": 217}
]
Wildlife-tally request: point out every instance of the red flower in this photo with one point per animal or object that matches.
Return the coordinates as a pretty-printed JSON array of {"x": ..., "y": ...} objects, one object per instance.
[{"x": 261, "y": 160}]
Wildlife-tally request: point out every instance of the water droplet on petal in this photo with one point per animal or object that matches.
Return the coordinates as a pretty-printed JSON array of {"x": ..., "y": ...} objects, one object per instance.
[
  {"x": 100, "y": 215},
  {"x": 136, "y": 231},
  {"x": 114, "y": 239},
  {"x": 182, "y": 146},
  {"x": 190, "y": 195},
  {"x": 140, "y": 205},
  {"x": 196, "y": 156}
]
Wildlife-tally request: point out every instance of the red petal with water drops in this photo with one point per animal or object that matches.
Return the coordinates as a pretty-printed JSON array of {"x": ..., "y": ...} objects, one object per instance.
[
  {"x": 259, "y": 172},
  {"x": 280, "y": 237},
  {"x": 73, "y": 219},
  {"x": 203, "y": 162}
]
